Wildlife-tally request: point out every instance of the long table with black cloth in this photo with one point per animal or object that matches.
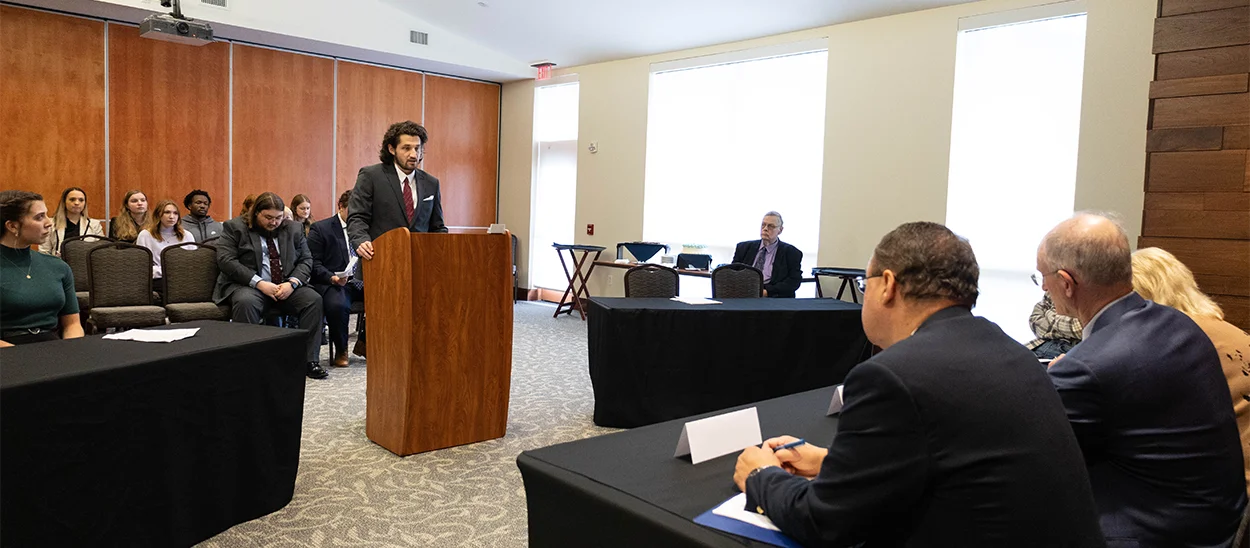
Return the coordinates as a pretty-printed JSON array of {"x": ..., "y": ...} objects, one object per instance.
[
  {"x": 627, "y": 489},
  {"x": 122, "y": 443},
  {"x": 653, "y": 360}
]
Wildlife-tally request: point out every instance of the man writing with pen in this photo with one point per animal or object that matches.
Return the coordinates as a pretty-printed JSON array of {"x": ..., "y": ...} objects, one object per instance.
[{"x": 952, "y": 436}]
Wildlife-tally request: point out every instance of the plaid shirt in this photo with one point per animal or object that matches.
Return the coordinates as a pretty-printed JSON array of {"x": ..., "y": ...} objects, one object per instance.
[{"x": 1049, "y": 325}]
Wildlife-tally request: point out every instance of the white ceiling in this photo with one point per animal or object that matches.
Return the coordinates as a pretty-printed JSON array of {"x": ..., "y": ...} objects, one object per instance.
[{"x": 577, "y": 32}]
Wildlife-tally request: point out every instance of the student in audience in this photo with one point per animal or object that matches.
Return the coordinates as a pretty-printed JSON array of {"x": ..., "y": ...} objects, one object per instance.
[
  {"x": 395, "y": 193},
  {"x": 163, "y": 230},
  {"x": 197, "y": 221},
  {"x": 265, "y": 264},
  {"x": 71, "y": 220},
  {"x": 1056, "y": 333},
  {"x": 952, "y": 436},
  {"x": 132, "y": 217},
  {"x": 1146, "y": 396},
  {"x": 780, "y": 262},
  {"x": 301, "y": 212},
  {"x": 331, "y": 253},
  {"x": 247, "y": 204},
  {"x": 1162, "y": 278},
  {"x": 37, "y": 300}
]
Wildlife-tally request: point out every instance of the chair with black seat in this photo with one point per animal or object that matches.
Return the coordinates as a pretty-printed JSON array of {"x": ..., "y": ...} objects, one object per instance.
[
  {"x": 74, "y": 252},
  {"x": 653, "y": 281},
  {"x": 120, "y": 278},
  {"x": 737, "y": 281},
  {"x": 189, "y": 276}
]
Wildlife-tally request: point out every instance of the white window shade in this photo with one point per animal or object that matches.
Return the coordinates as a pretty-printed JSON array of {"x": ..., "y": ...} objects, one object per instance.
[{"x": 554, "y": 199}]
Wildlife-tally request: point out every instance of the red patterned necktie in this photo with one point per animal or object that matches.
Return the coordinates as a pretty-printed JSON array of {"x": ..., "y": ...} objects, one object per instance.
[
  {"x": 275, "y": 261},
  {"x": 409, "y": 205}
]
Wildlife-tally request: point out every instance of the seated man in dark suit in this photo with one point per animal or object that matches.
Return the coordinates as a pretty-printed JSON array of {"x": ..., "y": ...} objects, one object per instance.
[
  {"x": 780, "y": 262},
  {"x": 265, "y": 264},
  {"x": 1146, "y": 396},
  {"x": 952, "y": 436},
  {"x": 327, "y": 240}
]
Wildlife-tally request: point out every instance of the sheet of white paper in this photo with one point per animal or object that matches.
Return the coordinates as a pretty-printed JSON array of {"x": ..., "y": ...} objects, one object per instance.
[
  {"x": 695, "y": 300},
  {"x": 346, "y": 273},
  {"x": 706, "y": 439},
  {"x": 153, "y": 335},
  {"x": 732, "y": 509},
  {"x": 835, "y": 404}
]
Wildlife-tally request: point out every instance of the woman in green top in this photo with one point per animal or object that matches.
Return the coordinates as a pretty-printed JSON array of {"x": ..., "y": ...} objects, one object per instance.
[{"x": 37, "y": 301}]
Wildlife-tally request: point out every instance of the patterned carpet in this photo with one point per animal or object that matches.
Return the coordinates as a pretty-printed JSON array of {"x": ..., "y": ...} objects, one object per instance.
[{"x": 351, "y": 492}]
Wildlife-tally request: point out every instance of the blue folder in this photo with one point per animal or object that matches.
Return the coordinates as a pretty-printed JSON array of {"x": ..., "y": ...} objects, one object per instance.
[{"x": 743, "y": 529}]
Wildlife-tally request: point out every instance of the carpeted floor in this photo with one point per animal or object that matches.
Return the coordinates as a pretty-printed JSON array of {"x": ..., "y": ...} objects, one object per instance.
[{"x": 351, "y": 492}]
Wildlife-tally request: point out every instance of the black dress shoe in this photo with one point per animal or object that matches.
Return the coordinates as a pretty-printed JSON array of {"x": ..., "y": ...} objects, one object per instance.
[{"x": 316, "y": 372}]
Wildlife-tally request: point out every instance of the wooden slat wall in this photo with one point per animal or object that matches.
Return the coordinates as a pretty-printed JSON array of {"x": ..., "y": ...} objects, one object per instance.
[
  {"x": 168, "y": 127},
  {"x": 52, "y": 105},
  {"x": 463, "y": 120},
  {"x": 1198, "y": 174},
  {"x": 370, "y": 100}
]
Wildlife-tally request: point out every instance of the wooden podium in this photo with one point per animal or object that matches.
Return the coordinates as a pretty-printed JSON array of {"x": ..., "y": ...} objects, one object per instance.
[{"x": 440, "y": 339}]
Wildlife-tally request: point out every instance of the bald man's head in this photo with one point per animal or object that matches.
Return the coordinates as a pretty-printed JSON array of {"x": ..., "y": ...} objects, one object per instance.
[{"x": 1092, "y": 247}]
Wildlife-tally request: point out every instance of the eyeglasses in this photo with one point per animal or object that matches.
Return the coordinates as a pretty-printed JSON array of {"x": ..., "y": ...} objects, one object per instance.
[
  {"x": 862, "y": 282},
  {"x": 1038, "y": 276},
  {"x": 769, "y": 226}
]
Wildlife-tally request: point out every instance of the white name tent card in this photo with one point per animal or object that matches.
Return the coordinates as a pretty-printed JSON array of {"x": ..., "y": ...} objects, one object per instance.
[
  {"x": 706, "y": 439},
  {"x": 153, "y": 335},
  {"x": 694, "y": 300},
  {"x": 835, "y": 404}
]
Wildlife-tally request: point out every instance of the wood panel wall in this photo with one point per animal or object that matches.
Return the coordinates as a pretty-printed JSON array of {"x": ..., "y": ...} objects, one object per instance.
[
  {"x": 463, "y": 120},
  {"x": 1198, "y": 173},
  {"x": 52, "y": 105},
  {"x": 370, "y": 100},
  {"x": 168, "y": 124}
]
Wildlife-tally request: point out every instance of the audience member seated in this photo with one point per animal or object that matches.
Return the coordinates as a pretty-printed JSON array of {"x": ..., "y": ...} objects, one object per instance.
[
  {"x": 197, "y": 221},
  {"x": 163, "y": 230},
  {"x": 265, "y": 265},
  {"x": 301, "y": 212},
  {"x": 780, "y": 262},
  {"x": 331, "y": 253},
  {"x": 1162, "y": 278},
  {"x": 952, "y": 436},
  {"x": 247, "y": 204},
  {"x": 1056, "y": 333},
  {"x": 1146, "y": 396},
  {"x": 71, "y": 221},
  {"x": 131, "y": 219},
  {"x": 37, "y": 301}
]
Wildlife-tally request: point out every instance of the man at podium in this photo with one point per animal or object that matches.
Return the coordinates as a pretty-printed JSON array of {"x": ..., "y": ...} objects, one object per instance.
[{"x": 396, "y": 192}]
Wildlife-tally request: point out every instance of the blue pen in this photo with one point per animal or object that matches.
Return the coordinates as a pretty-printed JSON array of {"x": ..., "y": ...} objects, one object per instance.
[{"x": 790, "y": 445}]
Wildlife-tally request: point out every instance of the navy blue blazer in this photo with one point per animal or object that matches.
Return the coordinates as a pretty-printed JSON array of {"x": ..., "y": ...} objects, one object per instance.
[
  {"x": 1147, "y": 398},
  {"x": 787, "y": 266},
  {"x": 329, "y": 251}
]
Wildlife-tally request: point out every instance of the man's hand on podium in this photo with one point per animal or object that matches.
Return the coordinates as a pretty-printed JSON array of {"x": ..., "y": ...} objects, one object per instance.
[{"x": 365, "y": 250}]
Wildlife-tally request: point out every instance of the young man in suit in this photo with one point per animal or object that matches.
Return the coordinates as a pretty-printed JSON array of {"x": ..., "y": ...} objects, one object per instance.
[
  {"x": 779, "y": 261},
  {"x": 1146, "y": 396},
  {"x": 395, "y": 193},
  {"x": 327, "y": 241},
  {"x": 265, "y": 264},
  {"x": 952, "y": 436}
]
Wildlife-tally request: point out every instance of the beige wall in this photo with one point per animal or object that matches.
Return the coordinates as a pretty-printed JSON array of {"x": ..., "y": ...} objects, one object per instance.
[{"x": 888, "y": 119}]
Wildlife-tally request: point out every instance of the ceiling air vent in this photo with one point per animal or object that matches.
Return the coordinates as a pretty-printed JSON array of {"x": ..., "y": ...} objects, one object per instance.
[
  {"x": 218, "y": 3},
  {"x": 415, "y": 37}
]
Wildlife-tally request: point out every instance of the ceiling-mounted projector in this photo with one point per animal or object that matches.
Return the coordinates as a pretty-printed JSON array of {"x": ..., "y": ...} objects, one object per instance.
[{"x": 173, "y": 27}]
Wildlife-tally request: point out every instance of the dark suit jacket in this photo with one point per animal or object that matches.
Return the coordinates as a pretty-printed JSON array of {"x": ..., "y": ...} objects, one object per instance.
[
  {"x": 239, "y": 256},
  {"x": 377, "y": 204},
  {"x": 951, "y": 437},
  {"x": 329, "y": 251},
  {"x": 787, "y": 266},
  {"x": 1146, "y": 395}
]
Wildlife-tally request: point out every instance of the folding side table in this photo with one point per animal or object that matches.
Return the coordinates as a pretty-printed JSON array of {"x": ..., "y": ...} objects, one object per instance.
[
  {"x": 848, "y": 276},
  {"x": 577, "y": 278}
]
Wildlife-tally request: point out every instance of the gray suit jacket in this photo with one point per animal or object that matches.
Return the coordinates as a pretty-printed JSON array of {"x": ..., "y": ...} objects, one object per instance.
[
  {"x": 239, "y": 256},
  {"x": 377, "y": 204}
]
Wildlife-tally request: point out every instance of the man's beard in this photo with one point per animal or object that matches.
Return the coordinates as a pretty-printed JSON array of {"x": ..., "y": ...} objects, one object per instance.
[{"x": 264, "y": 232}]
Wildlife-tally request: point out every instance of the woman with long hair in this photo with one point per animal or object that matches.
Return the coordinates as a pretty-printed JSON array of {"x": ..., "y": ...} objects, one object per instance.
[
  {"x": 247, "y": 204},
  {"x": 131, "y": 218},
  {"x": 71, "y": 220},
  {"x": 164, "y": 229},
  {"x": 1162, "y": 278},
  {"x": 301, "y": 211},
  {"x": 37, "y": 299}
]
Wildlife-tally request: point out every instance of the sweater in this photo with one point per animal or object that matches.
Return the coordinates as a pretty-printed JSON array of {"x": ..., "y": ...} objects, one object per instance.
[{"x": 38, "y": 301}]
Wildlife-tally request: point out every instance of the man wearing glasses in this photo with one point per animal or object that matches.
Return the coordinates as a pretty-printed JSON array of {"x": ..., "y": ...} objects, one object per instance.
[{"x": 780, "y": 262}]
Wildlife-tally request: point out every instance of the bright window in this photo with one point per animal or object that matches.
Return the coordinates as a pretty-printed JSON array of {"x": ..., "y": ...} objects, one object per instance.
[
  {"x": 1015, "y": 123},
  {"x": 729, "y": 141},
  {"x": 555, "y": 181}
]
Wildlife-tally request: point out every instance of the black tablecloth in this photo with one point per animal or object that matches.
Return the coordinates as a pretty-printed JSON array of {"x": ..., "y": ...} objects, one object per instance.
[
  {"x": 652, "y": 360},
  {"x": 121, "y": 443},
  {"x": 627, "y": 489}
]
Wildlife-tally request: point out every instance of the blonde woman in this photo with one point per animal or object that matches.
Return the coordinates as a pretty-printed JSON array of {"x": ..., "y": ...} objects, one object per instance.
[
  {"x": 164, "y": 229},
  {"x": 131, "y": 218},
  {"x": 70, "y": 221},
  {"x": 301, "y": 212},
  {"x": 1162, "y": 278}
]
